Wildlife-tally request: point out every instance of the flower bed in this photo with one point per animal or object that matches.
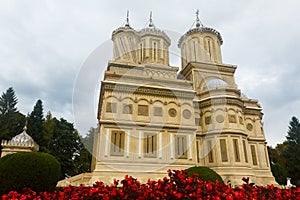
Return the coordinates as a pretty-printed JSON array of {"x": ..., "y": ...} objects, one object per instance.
[{"x": 177, "y": 186}]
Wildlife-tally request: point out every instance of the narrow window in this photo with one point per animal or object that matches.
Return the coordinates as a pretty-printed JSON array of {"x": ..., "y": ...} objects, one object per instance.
[
  {"x": 123, "y": 46},
  {"x": 197, "y": 149},
  {"x": 143, "y": 110},
  {"x": 253, "y": 152},
  {"x": 194, "y": 43},
  {"x": 236, "y": 150},
  {"x": 111, "y": 107},
  {"x": 144, "y": 51},
  {"x": 245, "y": 151},
  {"x": 150, "y": 145},
  {"x": 209, "y": 50},
  {"x": 223, "y": 150},
  {"x": 154, "y": 51},
  {"x": 131, "y": 50},
  {"x": 117, "y": 143},
  {"x": 141, "y": 52},
  {"x": 210, "y": 154},
  {"x": 181, "y": 146},
  {"x": 266, "y": 156}
]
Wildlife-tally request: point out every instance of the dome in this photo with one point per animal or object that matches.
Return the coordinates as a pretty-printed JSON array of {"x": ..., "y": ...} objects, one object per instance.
[
  {"x": 122, "y": 29},
  {"x": 126, "y": 27},
  {"x": 22, "y": 138},
  {"x": 214, "y": 83},
  {"x": 152, "y": 31},
  {"x": 201, "y": 29}
]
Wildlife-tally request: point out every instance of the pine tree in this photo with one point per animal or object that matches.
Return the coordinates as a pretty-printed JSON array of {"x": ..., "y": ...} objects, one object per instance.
[
  {"x": 48, "y": 128},
  {"x": 291, "y": 153},
  {"x": 11, "y": 120},
  {"x": 8, "y": 102},
  {"x": 35, "y": 123}
]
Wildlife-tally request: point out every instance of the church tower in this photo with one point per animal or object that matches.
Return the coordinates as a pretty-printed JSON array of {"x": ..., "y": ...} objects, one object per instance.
[
  {"x": 200, "y": 44},
  {"x": 229, "y": 137},
  {"x": 154, "y": 45},
  {"x": 125, "y": 40}
]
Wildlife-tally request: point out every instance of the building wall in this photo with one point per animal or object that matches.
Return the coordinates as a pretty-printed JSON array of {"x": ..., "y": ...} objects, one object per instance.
[{"x": 150, "y": 120}]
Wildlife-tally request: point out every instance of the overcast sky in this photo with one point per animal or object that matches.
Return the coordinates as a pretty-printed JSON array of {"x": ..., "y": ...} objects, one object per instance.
[{"x": 46, "y": 48}]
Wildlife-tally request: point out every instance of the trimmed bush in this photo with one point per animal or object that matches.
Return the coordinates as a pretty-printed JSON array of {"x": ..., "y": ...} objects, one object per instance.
[
  {"x": 34, "y": 170},
  {"x": 204, "y": 173}
]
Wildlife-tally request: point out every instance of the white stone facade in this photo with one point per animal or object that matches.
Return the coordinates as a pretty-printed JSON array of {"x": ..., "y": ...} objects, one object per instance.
[{"x": 153, "y": 117}]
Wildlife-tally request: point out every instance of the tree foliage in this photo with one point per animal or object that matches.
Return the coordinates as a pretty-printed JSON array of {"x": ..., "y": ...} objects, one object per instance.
[
  {"x": 8, "y": 102},
  {"x": 11, "y": 120},
  {"x": 285, "y": 157},
  {"x": 35, "y": 122},
  {"x": 48, "y": 128},
  {"x": 279, "y": 173},
  {"x": 67, "y": 147},
  {"x": 57, "y": 137},
  {"x": 291, "y": 153}
]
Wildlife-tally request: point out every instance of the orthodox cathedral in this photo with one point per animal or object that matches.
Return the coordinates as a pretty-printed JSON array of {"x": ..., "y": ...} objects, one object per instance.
[{"x": 154, "y": 117}]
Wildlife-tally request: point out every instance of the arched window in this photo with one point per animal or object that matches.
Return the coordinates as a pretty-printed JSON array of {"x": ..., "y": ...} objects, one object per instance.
[
  {"x": 214, "y": 83},
  {"x": 209, "y": 46}
]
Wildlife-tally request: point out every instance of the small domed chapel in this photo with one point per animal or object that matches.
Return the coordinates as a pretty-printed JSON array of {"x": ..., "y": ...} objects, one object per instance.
[{"x": 154, "y": 117}]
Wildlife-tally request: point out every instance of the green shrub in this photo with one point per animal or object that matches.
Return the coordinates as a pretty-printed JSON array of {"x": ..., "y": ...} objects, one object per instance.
[
  {"x": 35, "y": 170},
  {"x": 204, "y": 173}
]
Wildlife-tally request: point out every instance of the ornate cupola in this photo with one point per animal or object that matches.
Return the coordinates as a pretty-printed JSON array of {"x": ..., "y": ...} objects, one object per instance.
[
  {"x": 154, "y": 45},
  {"x": 20, "y": 143},
  {"x": 125, "y": 40},
  {"x": 200, "y": 44}
]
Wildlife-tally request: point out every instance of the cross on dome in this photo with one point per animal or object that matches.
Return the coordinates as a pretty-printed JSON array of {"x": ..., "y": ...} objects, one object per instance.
[
  {"x": 198, "y": 22},
  {"x": 127, "y": 19},
  {"x": 150, "y": 21}
]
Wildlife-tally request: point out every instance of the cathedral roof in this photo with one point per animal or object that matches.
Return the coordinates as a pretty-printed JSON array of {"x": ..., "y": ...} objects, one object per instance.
[
  {"x": 155, "y": 32},
  {"x": 152, "y": 30},
  {"x": 126, "y": 27},
  {"x": 122, "y": 28},
  {"x": 200, "y": 28}
]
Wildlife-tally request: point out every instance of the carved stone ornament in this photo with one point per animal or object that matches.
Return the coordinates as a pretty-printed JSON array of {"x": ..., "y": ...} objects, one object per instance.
[
  {"x": 187, "y": 114},
  {"x": 249, "y": 127},
  {"x": 172, "y": 112},
  {"x": 220, "y": 118},
  {"x": 232, "y": 118}
]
